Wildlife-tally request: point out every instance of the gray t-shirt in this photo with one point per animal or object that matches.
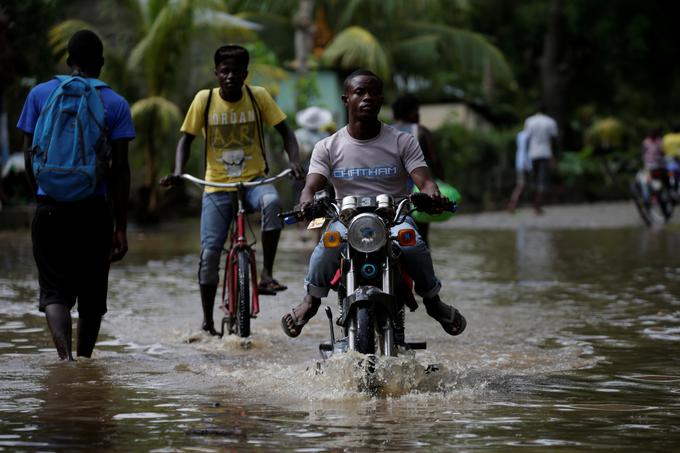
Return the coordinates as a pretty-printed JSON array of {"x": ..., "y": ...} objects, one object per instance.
[{"x": 367, "y": 168}]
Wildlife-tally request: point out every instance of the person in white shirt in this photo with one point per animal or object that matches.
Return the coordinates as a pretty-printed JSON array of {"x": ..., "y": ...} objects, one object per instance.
[
  {"x": 522, "y": 167},
  {"x": 541, "y": 142}
]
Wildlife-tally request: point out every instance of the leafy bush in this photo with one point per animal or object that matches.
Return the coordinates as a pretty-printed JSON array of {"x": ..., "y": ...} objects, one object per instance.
[{"x": 480, "y": 164}]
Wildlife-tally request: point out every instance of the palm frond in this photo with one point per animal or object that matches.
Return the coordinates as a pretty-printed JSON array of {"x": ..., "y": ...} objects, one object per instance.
[
  {"x": 419, "y": 52},
  {"x": 268, "y": 76},
  {"x": 165, "y": 114},
  {"x": 60, "y": 34},
  {"x": 465, "y": 51},
  {"x": 356, "y": 47},
  {"x": 212, "y": 18},
  {"x": 161, "y": 48}
]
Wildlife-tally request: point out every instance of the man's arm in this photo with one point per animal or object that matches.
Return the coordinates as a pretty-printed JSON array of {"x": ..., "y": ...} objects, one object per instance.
[
  {"x": 119, "y": 189},
  {"x": 182, "y": 154},
  {"x": 290, "y": 144},
  {"x": 313, "y": 184},
  {"x": 28, "y": 163},
  {"x": 423, "y": 180}
]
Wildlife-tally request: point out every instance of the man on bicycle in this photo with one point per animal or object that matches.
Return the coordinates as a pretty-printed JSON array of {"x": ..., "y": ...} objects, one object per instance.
[
  {"x": 367, "y": 158},
  {"x": 235, "y": 152}
]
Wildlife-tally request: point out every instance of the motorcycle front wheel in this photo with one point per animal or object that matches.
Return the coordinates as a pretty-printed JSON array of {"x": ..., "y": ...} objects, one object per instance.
[{"x": 365, "y": 337}]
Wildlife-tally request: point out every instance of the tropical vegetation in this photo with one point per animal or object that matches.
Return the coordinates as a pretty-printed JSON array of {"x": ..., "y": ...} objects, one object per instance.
[{"x": 606, "y": 71}]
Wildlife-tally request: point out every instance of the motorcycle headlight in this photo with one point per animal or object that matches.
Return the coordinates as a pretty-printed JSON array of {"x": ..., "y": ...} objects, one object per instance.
[{"x": 366, "y": 233}]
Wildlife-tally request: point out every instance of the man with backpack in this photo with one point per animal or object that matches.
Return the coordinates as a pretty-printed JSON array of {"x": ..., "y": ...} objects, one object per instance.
[
  {"x": 231, "y": 118},
  {"x": 76, "y": 134}
]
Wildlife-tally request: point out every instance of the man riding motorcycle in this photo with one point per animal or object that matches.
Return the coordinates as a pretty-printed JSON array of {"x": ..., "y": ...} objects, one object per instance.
[{"x": 367, "y": 158}]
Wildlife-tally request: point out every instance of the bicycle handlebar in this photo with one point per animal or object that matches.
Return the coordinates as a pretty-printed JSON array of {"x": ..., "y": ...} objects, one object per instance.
[{"x": 234, "y": 185}]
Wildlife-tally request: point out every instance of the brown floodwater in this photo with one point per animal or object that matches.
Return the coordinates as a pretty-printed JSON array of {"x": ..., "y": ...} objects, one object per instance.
[{"x": 572, "y": 345}]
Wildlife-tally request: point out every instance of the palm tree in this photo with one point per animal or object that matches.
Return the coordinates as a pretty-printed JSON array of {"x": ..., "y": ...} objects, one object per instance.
[
  {"x": 421, "y": 40},
  {"x": 163, "y": 34}
]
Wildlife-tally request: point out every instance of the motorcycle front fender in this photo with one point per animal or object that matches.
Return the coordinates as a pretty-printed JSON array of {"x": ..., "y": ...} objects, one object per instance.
[{"x": 366, "y": 295}]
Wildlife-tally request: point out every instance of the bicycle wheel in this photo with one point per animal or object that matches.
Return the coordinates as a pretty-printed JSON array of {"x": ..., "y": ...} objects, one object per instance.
[
  {"x": 640, "y": 203},
  {"x": 243, "y": 295},
  {"x": 659, "y": 208}
]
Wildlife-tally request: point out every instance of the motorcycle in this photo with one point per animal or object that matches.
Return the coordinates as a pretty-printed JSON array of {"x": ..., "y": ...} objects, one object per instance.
[{"x": 372, "y": 290}]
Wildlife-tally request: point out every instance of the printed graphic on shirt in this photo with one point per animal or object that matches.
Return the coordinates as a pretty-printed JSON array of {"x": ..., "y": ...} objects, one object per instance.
[
  {"x": 234, "y": 161},
  {"x": 231, "y": 133},
  {"x": 366, "y": 172}
]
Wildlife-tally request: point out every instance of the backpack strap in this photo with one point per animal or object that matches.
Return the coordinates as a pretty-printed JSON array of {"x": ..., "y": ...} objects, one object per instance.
[
  {"x": 205, "y": 125},
  {"x": 260, "y": 128}
]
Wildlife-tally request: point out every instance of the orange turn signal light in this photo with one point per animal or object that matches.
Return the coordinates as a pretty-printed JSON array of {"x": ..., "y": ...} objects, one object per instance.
[
  {"x": 407, "y": 237},
  {"x": 331, "y": 239}
]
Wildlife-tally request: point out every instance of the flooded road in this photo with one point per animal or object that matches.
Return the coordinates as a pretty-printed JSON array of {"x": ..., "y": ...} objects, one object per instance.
[{"x": 572, "y": 344}]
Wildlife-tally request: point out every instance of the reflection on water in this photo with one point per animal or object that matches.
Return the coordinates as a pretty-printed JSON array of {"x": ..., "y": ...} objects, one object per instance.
[{"x": 570, "y": 343}]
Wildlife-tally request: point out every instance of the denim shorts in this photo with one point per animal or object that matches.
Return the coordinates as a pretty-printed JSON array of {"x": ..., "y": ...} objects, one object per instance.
[{"x": 219, "y": 210}]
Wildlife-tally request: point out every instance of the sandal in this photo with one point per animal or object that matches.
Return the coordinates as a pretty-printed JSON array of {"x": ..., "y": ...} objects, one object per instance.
[
  {"x": 293, "y": 322},
  {"x": 450, "y": 318},
  {"x": 270, "y": 287}
]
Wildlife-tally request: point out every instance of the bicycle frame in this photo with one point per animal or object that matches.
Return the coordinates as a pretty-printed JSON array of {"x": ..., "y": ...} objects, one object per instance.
[{"x": 239, "y": 243}]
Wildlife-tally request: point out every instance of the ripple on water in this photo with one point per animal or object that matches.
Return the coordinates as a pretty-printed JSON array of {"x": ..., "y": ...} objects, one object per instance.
[
  {"x": 654, "y": 378},
  {"x": 139, "y": 415},
  {"x": 663, "y": 333},
  {"x": 606, "y": 407}
]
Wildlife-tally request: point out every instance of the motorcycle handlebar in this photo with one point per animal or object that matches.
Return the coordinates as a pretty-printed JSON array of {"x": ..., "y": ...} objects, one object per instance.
[
  {"x": 311, "y": 212},
  {"x": 422, "y": 202}
]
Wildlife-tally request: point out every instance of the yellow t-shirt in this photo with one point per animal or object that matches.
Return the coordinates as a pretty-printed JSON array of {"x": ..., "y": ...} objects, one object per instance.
[
  {"x": 671, "y": 144},
  {"x": 234, "y": 151}
]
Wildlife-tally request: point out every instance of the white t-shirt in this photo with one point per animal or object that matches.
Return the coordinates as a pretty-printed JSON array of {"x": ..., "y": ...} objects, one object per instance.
[
  {"x": 540, "y": 130},
  {"x": 380, "y": 165}
]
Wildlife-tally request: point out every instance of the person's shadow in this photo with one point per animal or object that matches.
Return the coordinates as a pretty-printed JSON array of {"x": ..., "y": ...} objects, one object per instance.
[{"x": 76, "y": 411}]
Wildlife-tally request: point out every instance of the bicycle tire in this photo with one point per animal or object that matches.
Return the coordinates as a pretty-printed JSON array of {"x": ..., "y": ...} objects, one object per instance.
[
  {"x": 659, "y": 209},
  {"x": 243, "y": 294},
  {"x": 365, "y": 339},
  {"x": 642, "y": 207},
  {"x": 666, "y": 203}
]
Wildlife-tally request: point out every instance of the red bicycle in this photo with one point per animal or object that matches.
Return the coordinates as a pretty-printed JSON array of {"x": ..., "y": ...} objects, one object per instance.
[{"x": 240, "y": 301}]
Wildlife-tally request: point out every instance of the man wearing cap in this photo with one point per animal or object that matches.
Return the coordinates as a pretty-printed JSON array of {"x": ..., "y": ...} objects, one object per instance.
[{"x": 75, "y": 242}]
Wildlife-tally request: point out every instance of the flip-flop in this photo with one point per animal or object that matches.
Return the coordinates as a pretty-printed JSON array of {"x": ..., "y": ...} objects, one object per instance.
[
  {"x": 450, "y": 318},
  {"x": 298, "y": 323},
  {"x": 270, "y": 287}
]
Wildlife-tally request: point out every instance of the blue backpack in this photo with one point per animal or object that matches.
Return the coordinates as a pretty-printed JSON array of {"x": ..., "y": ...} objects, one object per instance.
[{"x": 70, "y": 149}]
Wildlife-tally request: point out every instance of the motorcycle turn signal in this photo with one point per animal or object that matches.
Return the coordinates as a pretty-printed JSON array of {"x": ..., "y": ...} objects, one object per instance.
[
  {"x": 407, "y": 237},
  {"x": 331, "y": 239}
]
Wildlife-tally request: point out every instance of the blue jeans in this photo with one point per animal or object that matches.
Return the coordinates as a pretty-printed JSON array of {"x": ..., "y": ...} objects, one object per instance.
[
  {"x": 416, "y": 261},
  {"x": 218, "y": 210}
]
